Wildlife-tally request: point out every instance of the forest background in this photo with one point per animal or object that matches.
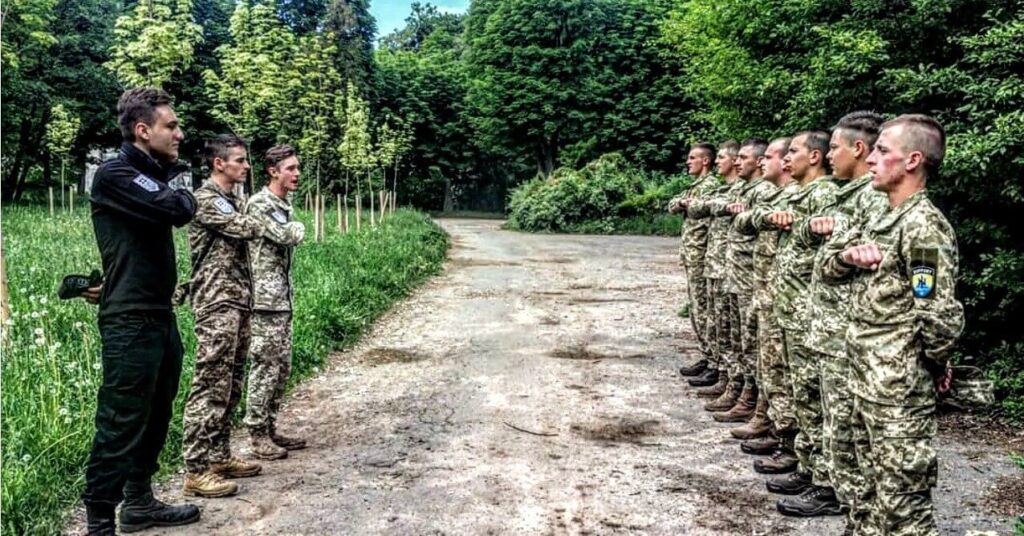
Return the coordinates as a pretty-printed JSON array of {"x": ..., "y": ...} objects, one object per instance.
[{"x": 460, "y": 109}]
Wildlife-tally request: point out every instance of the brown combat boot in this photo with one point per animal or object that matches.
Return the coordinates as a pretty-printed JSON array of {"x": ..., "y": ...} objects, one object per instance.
[
  {"x": 236, "y": 468},
  {"x": 264, "y": 448},
  {"x": 727, "y": 399},
  {"x": 758, "y": 426},
  {"x": 716, "y": 390},
  {"x": 209, "y": 485},
  {"x": 744, "y": 407},
  {"x": 288, "y": 443}
]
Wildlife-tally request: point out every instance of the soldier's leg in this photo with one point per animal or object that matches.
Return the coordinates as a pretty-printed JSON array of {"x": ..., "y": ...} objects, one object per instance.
[
  {"x": 839, "y": 435},
  {"x": 864, "y": 512},
  {"x": 270, "y": 351},
  {"x": 698, "y": 300},
  {"x": 748, "y": 336},
  {"x": 806, "y": 387},
  {"x": 208, "y": 402},
  {"x": 905, "y": 467},
  {"x": 775, "y": 375},
  {"x": 222, "y": 450},
  {"x": 736, "y": 367},
  {"x": 723, "y": 331},
  {"x": 133, "y": 350},
  {"x": 162, "y": 407},
  {"x": 711, "y": 324},
  {"x": 284, "y": 362}
]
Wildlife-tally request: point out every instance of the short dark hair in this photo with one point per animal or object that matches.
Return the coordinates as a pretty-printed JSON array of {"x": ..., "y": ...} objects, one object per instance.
[
  {"x": 817, "y": 140},
  {"x": 925, "y": 134},
  {"x": 730, "y": 146},
  {"x": 706, "y": 147},
  {"x": 758, "y": 144},
  {"x": 277, "y": 154},
  {"x": 784, "y": 141},
  {"x": 139, "y": 104},
  {"x": 220, "y": 147},
  {"x": 861, "y": 125}
]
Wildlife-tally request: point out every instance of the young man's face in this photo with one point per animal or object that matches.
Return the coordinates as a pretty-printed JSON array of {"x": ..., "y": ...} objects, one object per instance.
[
  {"x": 695, "y": 162},
  {"x": 771, "y": 164},
  {"x": 798, "y": 160},
  {"x": 887, "y": 162},
  {"x": 287, "y": 172},
  {"x": 724, "y": 163},
  {"x": 842, "y": 154},
  {"x": 747, "y": 163},
  {"x": 163, "y": 137},
  {"x": 235, "y": 167}
]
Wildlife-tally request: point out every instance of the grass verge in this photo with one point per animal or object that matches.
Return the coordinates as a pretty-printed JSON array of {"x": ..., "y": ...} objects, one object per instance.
[{"x": 51, "y": 363}]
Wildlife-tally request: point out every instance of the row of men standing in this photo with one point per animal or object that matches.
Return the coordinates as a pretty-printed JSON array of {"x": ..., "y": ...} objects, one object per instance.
[
  {"x": 241, "y": 293},
  {"x": 821, "y": 291}
]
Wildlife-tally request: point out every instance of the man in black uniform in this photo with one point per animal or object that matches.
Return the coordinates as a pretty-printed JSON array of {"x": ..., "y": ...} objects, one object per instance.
[{"x": 133, "y": 211}]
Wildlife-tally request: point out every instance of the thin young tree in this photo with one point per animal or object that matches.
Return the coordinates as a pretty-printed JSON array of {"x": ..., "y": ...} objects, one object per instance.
[{"x": 60, "y": 136}]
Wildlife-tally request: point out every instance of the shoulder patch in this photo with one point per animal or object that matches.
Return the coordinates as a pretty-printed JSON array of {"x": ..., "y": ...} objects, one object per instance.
[
  {"x": 923, "y": 271},
  {"x": 223, "y": 205},
  {"x": 278, "y": 216},
  {"x": 145, "y": 183}
]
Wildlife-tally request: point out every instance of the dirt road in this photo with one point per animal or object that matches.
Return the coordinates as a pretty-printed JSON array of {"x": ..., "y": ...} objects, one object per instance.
[{"x": 532, "y": 389}]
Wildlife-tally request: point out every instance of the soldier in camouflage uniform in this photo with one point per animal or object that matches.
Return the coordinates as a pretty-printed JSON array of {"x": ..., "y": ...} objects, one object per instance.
[
  {"x": 856, "y": 202},
  {"x": 806, "y": 161},
  {"x": 692, "y": 249},
  {"x": 773, "y": 376},
  {"x": 719, "y": 327},
  {"x": 272, "y": 305},
  {"x": 904, "y": 320},
  {"x": 739, "y": 284},
  {"x": 221, "y": 294}
]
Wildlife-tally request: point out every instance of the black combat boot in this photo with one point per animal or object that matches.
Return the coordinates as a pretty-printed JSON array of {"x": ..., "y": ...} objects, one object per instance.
[
  {"x": 815, "y": 501},
  {"x": 761, "y": 446},
  {"x": 706, "y": 378},
  {"x": 141, "y": 510},
  {"x": 695, "y": 369},
  {"x": 100, "y": 520},
  {"x": 794, "y": 483},
  {"x": 783, "y": 460}
]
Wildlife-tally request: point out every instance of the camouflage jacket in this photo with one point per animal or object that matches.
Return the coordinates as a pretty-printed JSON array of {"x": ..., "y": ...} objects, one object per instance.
[
  {"x": 217, "y": 238},
  {"x": 695, "y": 230},
  {"x": 739, "y": 274},
  {"x": 904, "y": 316},
  {"x": 272, "y": 255},
  {"x": 755, "y": 222},
  {"x": 857, "y": 203},
  {"x": 795, "y": 260},
  {"x": 712, "y": 208}
]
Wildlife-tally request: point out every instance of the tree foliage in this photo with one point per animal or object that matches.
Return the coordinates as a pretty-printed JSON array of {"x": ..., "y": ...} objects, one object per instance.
[{"x": 154, "y": 43}]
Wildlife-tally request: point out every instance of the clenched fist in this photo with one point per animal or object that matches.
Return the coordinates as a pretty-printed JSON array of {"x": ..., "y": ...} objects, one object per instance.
[
  {"x": 735, "y": 208},
  {"x": 866, "y": 256},
  {"x": 781, "y": 219},
  {"x": 823, "y": 225}
]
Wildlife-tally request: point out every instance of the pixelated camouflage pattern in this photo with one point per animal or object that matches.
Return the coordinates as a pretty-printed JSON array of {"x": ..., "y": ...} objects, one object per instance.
[
  {"x": 695, "y": 230},
  {"x": 272, "y": 255},
  {"x": 271, "y": 366},
  {"x": 755, "y": 222},
  {"x": 712, "y": 208},
  {"x": 739, "y": 277}
]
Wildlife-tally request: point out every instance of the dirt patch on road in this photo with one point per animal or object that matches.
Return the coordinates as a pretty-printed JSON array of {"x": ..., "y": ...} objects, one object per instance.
[
  {"x": 1006, "y": 497},
  {"x": 387, "y": 356},
  {"x": 586, "y": 353},
  {"x": 621, "y": 430}
]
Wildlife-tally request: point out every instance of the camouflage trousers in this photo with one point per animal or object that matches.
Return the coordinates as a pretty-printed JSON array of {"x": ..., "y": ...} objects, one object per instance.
[
  {"x": 842, "y": 442},
  {"x": 744, "y": 337},
  {"x": 718, "y": 328},
  {"x": 222, "y": 342},
  {"x": 271, "y": 366},
  {"x": 806, "y": 385},
  {"x": 697, "y": 288},
  {"x": 773, "y": 376},
  {"x": 900, "y": 466}
]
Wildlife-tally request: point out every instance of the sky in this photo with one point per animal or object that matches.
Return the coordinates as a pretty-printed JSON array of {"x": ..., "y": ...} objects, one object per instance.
[{"x": 391, "y": 14}]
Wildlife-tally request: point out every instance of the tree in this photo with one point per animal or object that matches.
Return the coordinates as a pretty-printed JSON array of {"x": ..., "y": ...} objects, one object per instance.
[
  {"x": 60, "y": 136},
  {"x": 154, "y": 43},
  {"x": 354, "y": 29},
  {"x": 356, "y": 145},
  {"x": 424, "y": 20}
]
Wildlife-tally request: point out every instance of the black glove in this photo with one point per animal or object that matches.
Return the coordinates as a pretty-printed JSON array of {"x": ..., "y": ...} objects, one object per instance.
[{"x": 74, "y": 285}]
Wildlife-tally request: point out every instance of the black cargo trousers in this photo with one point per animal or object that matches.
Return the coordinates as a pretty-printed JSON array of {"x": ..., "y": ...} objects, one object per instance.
[{"x": 142, "y": 355}]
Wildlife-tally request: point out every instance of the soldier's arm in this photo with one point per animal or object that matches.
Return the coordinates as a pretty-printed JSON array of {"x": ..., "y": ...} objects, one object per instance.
[
  {"x": 285, "y": 234},
  {"x": 932, "y": 264},
  {"x": 217, "y": 214},
  {"x": 743, "y": 223},
  {"x": 835, "y": 271},
  {"x": 125, "y": 190}
]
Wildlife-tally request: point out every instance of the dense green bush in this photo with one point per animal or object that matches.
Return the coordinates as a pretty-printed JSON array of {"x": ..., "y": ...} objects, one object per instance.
[
  {"x": 51, "y": 366},
  {"x": 607, "y": 196}
]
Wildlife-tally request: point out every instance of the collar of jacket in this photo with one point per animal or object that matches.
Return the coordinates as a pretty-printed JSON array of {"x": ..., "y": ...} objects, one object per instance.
[
  {"x": 146, "y": 165},
  {"x": 283, "y": 204},
  {"x": 895, "y": 214}
]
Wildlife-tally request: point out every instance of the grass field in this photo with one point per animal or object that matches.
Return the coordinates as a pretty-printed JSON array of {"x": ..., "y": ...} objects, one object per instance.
[{"x": 51, "y": 363}]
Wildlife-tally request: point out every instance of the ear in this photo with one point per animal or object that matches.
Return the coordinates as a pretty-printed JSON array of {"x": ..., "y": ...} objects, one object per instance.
[
  {"x": 141, "y": 131},
  {"x": 218, "y": 164},
  {"x": 860, "y": 149},
  {"x": 915, "y": 160}
]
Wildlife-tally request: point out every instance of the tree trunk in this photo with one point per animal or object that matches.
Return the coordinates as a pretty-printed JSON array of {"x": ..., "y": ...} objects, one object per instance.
[
  {"x": 369, "y": 184},
  {"x": 14, "y": 175},
  {"x": 394, "y": 188}
]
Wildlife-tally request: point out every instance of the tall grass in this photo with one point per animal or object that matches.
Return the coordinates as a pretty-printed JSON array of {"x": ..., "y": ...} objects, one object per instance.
[{"x": 50, "y": 356}]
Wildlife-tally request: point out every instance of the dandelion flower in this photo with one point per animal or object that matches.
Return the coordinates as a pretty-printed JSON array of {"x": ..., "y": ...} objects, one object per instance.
[
  {"x": 42, "y": 300},
  {"x": 96, "y": 366},
  {"x": 26, "y": 458},
  {"x": 79, "y": 324},
  {"x": 63, "y": 411},
  {"x": 38, "y": 332},
  {"x": 35, "y": 314}
]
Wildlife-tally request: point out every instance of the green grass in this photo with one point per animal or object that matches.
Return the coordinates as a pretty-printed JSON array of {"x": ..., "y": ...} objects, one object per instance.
[{"x": 51, "y": 363}]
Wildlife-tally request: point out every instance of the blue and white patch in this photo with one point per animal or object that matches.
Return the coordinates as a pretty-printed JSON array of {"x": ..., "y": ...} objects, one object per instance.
[
  {"x": 146, "y": 183},
  {"x": 223, "y": 205},
  {"x": 279, "y": 217},
  {"x": 924, "y": 263}
]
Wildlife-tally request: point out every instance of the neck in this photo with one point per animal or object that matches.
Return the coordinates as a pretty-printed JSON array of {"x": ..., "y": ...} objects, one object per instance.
[
  {"x": 812, "y": 175},
  {"x": 277, "y": 189},
  {"x": 143, "y": 148},
  {"x": 861, "y": 169},
  {"x": 906, "y": 188},
  {"x": 222, "y": 182},
  {"x": 732, "y": 177}
]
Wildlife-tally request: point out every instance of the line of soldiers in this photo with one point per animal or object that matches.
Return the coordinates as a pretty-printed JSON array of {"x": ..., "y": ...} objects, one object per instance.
[
  {"x": 821, "y": 290},
  {"x": 241, "y": 294}
]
